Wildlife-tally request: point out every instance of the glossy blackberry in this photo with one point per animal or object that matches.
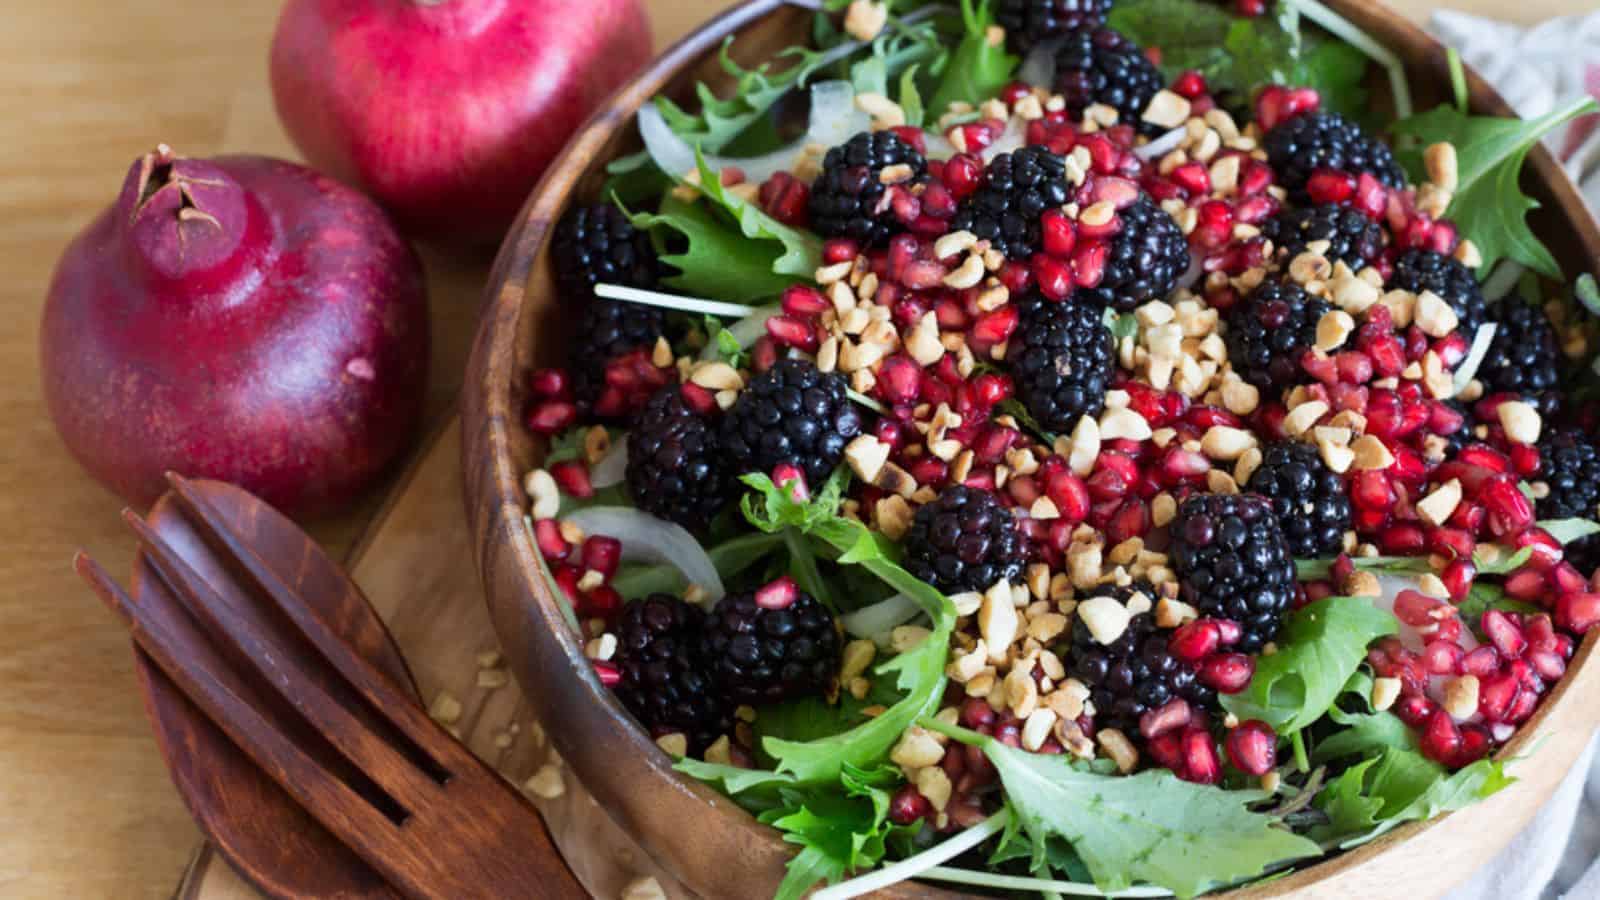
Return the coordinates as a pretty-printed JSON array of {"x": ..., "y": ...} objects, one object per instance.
[
  {"x": 1324, "y": 140},
  {"x": 1102, "y": 65},
  {"x": 1147, "y": 257},
  {"x": 664, "y": 683},
  {"x": 1424, "y": 270},
  {"x": 845, "y": 198},
  {"x": 759, "y": 656},
  {"x": 1233, "y": 563},
  {"x": 1570, "y": 467},
  {"x": 1269, "y": 330},
  {"x": 791, "y": 413},
  {"x": 1310, "y": 500},
  {"x": 1029, "y": 22},
  {"x": 675, "y": 468},
  {"x": 1135, "y": 673},
  {"x": 607, "y": 330},
  {"x": 1524, "y": 358},
  {"x": 1352, "y": 237},
  {"x": 963, "y": 540},
  {"x": 1062, "y": 357},
  {"x": 598, "y": 245},
  {"x": 1017, "y": 188}
]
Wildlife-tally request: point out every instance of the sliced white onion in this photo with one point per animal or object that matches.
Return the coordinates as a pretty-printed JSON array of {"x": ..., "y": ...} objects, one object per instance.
[
  {"x": 1414, "y": 640},
  {"x": 648, "y": 539},
  {"x": 877, "y": 620},
  {"x": 1192, "y": 275},
  {"x": 1161, "y": 146},
  {"x": 938, "y": 146},
  {"x": 834, "y": 120},
  {"x": 1013, "y": 138},
  {"x": 612, "y": 467},
  {"x": 1475, "y": 355},
  {"x": 1039, "y": 68}
]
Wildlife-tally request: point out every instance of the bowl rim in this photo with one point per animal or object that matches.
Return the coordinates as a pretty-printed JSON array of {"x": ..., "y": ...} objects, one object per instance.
[{"x": 510, "y": 566}]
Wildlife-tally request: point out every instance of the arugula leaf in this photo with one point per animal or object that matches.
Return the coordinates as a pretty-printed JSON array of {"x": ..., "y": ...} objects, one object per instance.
[
  {"x": 1121, "y": 325},
  {"x": 1364, "y": 732},
  {"x": 1565, "y": 531},
  {"x": 978, "y": 69},
  {"x": 802, "y": 250},
  {"x": 755, "y": 92},
  {"x": 1318, "y": 650},
  {"x": 920, "y": 670},
  {"x": 1587, "y": 292},
  {"x": 1237, "y": 54},
  {"x": 1379, "y": 794},
  {"x": 840, "y": 832},
  {"x": 1483, "y": 597},
  {"x": 717, "y": 261},
  {"x": 1151, "y": 827},
  {"x": 911, "y": 98},
  {"x": 734, "y": 781},
  {"x": 1489, "y": 203}
]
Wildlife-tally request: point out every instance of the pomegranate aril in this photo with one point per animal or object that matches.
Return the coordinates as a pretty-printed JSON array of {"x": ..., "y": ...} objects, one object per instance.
[
  {"x": 1442, "y": 657},
  {"x": 1173, "y": 715},
  {"x": 1481, "y": 662},
  {"x": 1496, "y": 694},
  {"x": 1440, "y": 739},
  {"x": 792, "y": 478},
  {"x": 1253, "y": 747},
  {"x": 602, "y": 554},
  {"x": 1058, "y": 234},
  {"x": 572, "y": 477},
  {"x": 793, "y": 332},
  {"x": 1474, "y": 745},
  {"x": 547, "y": 534},
  {"x": 1414, "y": 710},
  {"x": 1228, "y": 673},
  {"x": 609, "y": 675},
  {"x": 1200, "y": 762},
  {"x": 908, "y": 806},
  {"x": 552, "y": 417},
  {"x": 804, "y": 300},
  {"x": 1503, "y": 633},
  {"x": 549, "y": 383},
  {"x": 1578, "y": 613},
  {"x": 1194, "y": 641},
  {"x": 781, "y": 593}
]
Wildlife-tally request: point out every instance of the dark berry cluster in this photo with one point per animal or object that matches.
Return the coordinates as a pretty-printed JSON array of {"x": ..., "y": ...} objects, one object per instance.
[
  {"x": 1104, "y": 66},
  {"x": 1352, "y": 237},
  {"x": 1017, "y": 188},
  {"x": 791, "y": 413},
  {"x": 1233, "y": 563},
  {"x": 847, "y": 197},
  {"x": 1323, "y": 140},
  {"x": 1147, "y": 256},
  {"x": 1425, "y": 270},
  {"x": 964, "y": 541},
  {"x": 1030, "y": 22},
  {"x": 1269, "y": 330},
  {"x": 1062, "y": 357},
  {"x": 1135, "y": 673},
  {"x": 675, "y": 469},
  {"x": 1309, "y": 499}
]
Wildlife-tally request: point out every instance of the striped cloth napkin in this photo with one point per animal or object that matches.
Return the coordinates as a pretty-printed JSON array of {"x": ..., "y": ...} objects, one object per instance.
[{"x": 1535, "y": 69}]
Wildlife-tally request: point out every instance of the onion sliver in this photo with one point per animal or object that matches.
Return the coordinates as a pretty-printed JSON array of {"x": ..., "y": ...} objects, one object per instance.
[
  {"x": 834, "y": 120},
  {"x": 1160, "y": 146},
  {"x": 612, "y": 467},
  {"x": 646, "y": 538},
  {"x": 746, "y": 331},
  {"x": 1039, "y": 68},
  {"x": 880, "y": 618}
]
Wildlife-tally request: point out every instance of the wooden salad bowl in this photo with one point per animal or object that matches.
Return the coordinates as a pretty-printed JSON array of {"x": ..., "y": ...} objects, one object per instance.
[{"x": 701, "y": 837}]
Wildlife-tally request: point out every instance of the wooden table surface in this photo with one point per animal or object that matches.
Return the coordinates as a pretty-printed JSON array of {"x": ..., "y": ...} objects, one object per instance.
[{"x": 86, "y": 809}]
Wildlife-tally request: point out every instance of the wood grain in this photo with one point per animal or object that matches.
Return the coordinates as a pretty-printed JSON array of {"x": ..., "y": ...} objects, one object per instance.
[{"x": 85, "y": 803}]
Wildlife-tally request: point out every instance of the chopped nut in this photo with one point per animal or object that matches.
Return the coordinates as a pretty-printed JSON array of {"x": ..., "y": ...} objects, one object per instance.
[
  {"x": 1226, "y": 443},
  {"x": 893, "y": 515},
  {"x": 884, "y": 112},
  {"x": 644, "y": 888},
  {"x": 1440, "y": 161},
  {"x": 1120, "y": 750},
  {"x": 997, "y": 621},
  {"x": 923, "y": 340},
  {"x": 1371, "y": 453},
  {"x": 1431, "y": 585},
  {"x": 934, "y": 785},
  {"x": 856, "y": 657},
  {"x": 905, "y": 638},
  {"x": 1249, "y": 462},
  {"x": 1362, "y": 583},
  {"x": 1301, "y": 418},
  {"x": 674, "y": 744},
  {"x": 967, "y": 275},
  {"x": 446, "y": 709},
  {"x": 1105, "y": 618},
  {"x": 547, "y": 783},
  {"x": 1123, "y": 424},
  {"x": 1171, "y": 613},
  {"x": 867, "y": 456},
  {"x": 1435, "y": 509},
  {"x": 1098, "y": 214},
  {"x": 1163, "y": 509},
  {"x": 1085, "y": 450},
  {"x": 1225, "y": 174},
  {"x": 1521, "y": 422},
  {"x": 1333, "y": 328},
  {"x": 917, "y": 748},
  {"x": 716, "y": 376},
  {"x": 1338, "y": 457},
  {"x": 1167, "y": 109},
  {"x": 1434, "y": 316},
  {"x": 544, "y": 493},
  {"x": 1037, "y": 729},
  {"x": 1022, "y": 692},
  {"x": 1220, "y": 482},
  {"x": 1385, "y": 691},
  {"x": 1461, "y": 697}
]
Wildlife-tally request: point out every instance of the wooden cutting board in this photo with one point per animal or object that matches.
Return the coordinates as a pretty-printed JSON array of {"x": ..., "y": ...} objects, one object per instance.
[{"x": 415, "y": 565}]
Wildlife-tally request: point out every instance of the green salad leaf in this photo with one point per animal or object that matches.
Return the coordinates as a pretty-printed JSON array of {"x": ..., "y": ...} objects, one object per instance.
[
  {"x": 1363, "y": 731},
  {"x": 1383, "y": 792},
  {"x": 839, "y": 831},
  {"x": 1238, "y": 54},
  {"x": 1489, "y": 205},
  {"x": 1319, "y": 649},
  {"x": 1485, "y": 596},
  {"x": 979, "y": 68},
  {"x": 802, "y": 250},
  {"x": 1151, "y": 827},
  {"x": 1565, "y": 531}
]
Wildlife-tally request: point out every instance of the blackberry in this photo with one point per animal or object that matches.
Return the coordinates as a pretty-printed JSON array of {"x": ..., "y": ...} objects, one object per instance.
[
  {"x": 1324, "y": 140},
  {"x": 1570, "y": 467},
  {"x": 607, "y": 330},
  {"x": 674, "y": 465},
  {"x": 1105, "y": 66},
  {"x": 598, "y": 245},
  {"x": 791, "y": 413},
  {"x": 1424, "y": 270},
  {"x": 1268, "y": 332},
  {"x": 1309, "y": 499},
  {"x": 759, "y": 656},
  {"x": 1233, "y": 563},
  {"x": 963, "y": 540},
  {"x": 1147, "y": 257},
  {"x": 845, "y": 198},
  {"x": 664, "y": 683},
  {"x": 1352, "y": 237},
  {"x": 1029, "y": 22},
  {"x": 1017, "y": 189},
  {"x": 1524, "y": 357},
  {"x": 1062, "y": 357},
  {"x": 1135, "y": 673}
]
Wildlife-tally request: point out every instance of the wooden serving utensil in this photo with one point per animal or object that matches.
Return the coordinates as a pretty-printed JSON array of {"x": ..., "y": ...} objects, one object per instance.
[{"x": 334, "y": 732}]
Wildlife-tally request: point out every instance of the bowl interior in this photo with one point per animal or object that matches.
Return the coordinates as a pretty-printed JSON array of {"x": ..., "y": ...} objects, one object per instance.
[{"x": 723, "y": 852}]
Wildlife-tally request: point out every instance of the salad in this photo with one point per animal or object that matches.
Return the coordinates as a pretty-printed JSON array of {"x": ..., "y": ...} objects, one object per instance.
[{"x": 1065, "y": 447}]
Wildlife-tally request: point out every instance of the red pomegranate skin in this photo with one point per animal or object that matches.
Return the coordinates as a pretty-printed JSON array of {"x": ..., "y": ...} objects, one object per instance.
[
  {"x": 448, "y": 111},
  {"x": 239, "y": 318}
]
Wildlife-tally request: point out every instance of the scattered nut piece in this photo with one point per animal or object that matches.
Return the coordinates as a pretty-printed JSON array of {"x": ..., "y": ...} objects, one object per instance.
[
  {"x": 917, "y": 748},
  {"x": 1120, "y": 750},
  {"x": 1385, "y": 691},
  {"x": 1434, "y": 316},
  {"x": 1371, "y": 453},
  {"x": 1435, "y": 509},
  {"x": 1167, "y": 109},
  {"x": 446, "y": 709},
  {"x": 645, "y": 888},
  {"x": 867, "y": 456},
  {"x": 1440, "y": 161},
  {"x": 674, "y": 744},
  {"x": 997, "y": 621},
  {"x": 1521, "y": 422},
  {"x": 547, "y": 783},
  {"x": 1105, "y": 618},
  {"x": 1461, "y": 697}
]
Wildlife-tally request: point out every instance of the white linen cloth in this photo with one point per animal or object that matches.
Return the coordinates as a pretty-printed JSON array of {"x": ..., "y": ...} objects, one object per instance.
[{"x": 1535, "y": 70}]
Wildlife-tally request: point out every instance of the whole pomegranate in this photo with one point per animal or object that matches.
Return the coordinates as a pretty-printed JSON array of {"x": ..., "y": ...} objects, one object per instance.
[
  {"x": 448, "y": 111},
  {"x": 238, "y": 318}
]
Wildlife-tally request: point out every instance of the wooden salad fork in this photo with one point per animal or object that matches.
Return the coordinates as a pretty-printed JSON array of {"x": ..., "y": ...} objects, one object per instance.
[{"x": 337, "y": 734}]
